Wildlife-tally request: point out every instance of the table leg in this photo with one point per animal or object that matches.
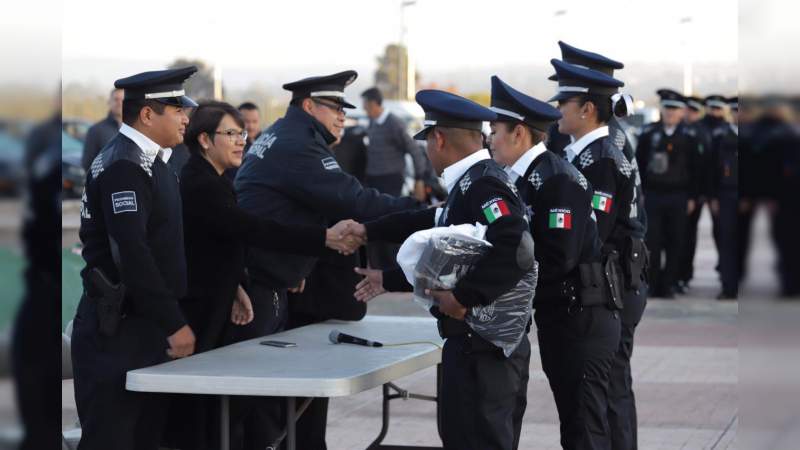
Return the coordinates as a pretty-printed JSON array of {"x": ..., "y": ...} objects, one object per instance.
[
  {"x": 291, "y": 423},
  {"x": 225, "y": 423}
]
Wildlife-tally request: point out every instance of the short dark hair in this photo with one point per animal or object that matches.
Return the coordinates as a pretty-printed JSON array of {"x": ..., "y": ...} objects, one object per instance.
[
  {"x": 373, "y": 94},
  {"x": 206, "y": 119},
  {"x": 132, "y": 108},
  {"x": 536, "y": 135},
  {"x": 602, "y": 104},
  {"x": 249, "y": 106}
]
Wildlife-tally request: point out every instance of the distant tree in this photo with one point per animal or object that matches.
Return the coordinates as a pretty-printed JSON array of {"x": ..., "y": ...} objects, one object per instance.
[
  {"x": 201, "y": 84},
  {"x": 391, "y": 77}
]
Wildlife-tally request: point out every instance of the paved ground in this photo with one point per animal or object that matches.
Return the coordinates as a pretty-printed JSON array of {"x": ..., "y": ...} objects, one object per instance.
[{"x": 686, "y": 366}]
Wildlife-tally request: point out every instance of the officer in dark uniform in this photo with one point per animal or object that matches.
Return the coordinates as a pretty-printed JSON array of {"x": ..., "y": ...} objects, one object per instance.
[
  {"x": 483, "y": 392},
  {"x": 290, "y": 174},
  {"x": 725, "y": 204},
  {"x": 695, "y": 126},
  {"x": 559, "y": 198},
  {"x": 132, "y": 234},
  {"x": 585, "y": 102},
  {"x": 669, "y": 156}
]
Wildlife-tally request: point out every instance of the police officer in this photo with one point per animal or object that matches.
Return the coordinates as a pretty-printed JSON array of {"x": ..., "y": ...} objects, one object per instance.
[
  {"x": 669, "y": 155},
  {"x": 132, "y": 234},
  {"x": 290, "y": 174},
  {"x": 695, "y": 109},
  {"x": 724, "y": 205},
  {"x": 585, "y": 102},
  {"x": 483, "y": 392},
  {"x": 559, "y": 200}
]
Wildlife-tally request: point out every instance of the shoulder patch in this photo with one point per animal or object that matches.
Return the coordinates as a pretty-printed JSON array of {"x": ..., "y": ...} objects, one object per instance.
[
  {"x": 465, "y": 183},
  {"x": 330, "y": 163},
  {"x": 560, "y": 218},
  {"x": 124, "y": 201},
  {"x": 586, "y": 158},
  {"x": 536, "y": 180},
  {"x": 495, "y": 209}
]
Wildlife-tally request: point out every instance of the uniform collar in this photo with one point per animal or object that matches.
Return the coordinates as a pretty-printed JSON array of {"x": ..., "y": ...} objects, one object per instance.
[
  {"x": 575, "y": 149},
  {"x": 519, "y": 168},
  {"x": 453, "y": 172},
  {"x": 295, "y": 113},
  {"x": 146, "y": 144},
  {"x": 382, "y": 118}
]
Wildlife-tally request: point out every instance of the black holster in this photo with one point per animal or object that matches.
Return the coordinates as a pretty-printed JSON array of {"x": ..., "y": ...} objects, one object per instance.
[
  {"x": 110, "y": 302},
  {"x": 635, "y": 261}
]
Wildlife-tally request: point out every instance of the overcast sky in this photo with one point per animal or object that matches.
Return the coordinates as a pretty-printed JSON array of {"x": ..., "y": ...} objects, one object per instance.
[{"x": 442, "y": 34}]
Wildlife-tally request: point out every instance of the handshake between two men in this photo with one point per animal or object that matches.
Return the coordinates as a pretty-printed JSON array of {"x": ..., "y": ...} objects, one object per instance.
[{"x": 347, "y": 236}]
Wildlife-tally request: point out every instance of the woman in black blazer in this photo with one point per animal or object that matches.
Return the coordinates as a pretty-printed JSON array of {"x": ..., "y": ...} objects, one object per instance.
[{"x": 217, "y": 234}]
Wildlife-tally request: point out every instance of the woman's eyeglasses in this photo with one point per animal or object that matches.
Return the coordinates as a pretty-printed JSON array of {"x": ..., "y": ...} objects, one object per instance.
[{"x": 233, "y": 134}]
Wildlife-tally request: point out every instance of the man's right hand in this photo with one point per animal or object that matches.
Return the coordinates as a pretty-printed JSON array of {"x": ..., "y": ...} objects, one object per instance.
[{"x": 181, "y": 343}]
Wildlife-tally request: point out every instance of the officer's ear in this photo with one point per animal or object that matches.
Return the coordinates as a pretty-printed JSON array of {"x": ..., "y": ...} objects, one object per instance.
[{"x": 307, "y": 105}]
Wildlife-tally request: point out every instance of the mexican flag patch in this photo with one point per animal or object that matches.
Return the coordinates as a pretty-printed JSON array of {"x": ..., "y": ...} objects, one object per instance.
[
  {"x": 602, "y": 201},
  {"x": 495, "y": 210},
  {"x": 560, "y": 218}
]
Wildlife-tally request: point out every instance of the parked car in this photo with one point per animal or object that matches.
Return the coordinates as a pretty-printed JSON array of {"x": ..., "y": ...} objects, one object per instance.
[
  {"x": 12, "y": 152},
  {"x": 73, "y": 176},
  {"x": 77, "y": 128}
]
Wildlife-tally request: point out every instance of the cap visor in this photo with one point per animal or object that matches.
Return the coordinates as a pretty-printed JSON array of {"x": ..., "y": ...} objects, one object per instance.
[
  {"x": 181, "y": 102},
  {"x": 422, "y": 134},
  {"x": 347, "y": 105},
  {"x": 563, "y": 96},
  {"x": 553, "y": 77}
]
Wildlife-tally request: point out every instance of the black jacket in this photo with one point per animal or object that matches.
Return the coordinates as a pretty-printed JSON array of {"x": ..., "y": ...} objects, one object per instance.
[
  {"x": 132, "y": 205},
  {"x": 559, "y": 198},
  {"x": 217, "y": 234},
  {"x": 291, "y": 175},
  {"x": 97, "y": 137}
]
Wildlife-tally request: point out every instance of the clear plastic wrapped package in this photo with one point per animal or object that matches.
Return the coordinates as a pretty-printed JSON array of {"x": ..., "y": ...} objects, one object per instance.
[{"x": 438, "y": 258}]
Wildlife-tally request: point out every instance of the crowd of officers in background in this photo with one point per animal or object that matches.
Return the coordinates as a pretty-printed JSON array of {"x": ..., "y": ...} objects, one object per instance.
[{"x": 622, "y": 194}]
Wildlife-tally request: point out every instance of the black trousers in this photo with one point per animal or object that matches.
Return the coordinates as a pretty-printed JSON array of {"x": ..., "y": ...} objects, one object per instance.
[
  {"x": 621, "y": 400},
  {"x": 255, "y": 421},
  {"x": 577, "y": 351},
  {"x": 112, "y": 417},
  {"x": 744, "y": 231},
  {"x": 483, "y": 395},
  {"x": 727, "y": 223},
  {"x": 686, "y": 269},
  {"x": 666, "y": 217},
  {"x": 383, "y": 255}
]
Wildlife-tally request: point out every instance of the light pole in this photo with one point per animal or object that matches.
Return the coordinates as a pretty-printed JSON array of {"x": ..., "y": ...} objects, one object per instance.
[
  {"x": 410, "y": 85},
  {"x": 687, "y": 63}
]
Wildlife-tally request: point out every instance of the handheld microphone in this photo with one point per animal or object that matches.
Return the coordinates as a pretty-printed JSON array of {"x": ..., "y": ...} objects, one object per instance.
[{"x": 338, "y": 337}]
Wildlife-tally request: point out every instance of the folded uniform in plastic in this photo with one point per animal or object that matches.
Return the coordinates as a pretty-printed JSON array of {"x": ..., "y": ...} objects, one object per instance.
[{"x": 439, "y": 257}]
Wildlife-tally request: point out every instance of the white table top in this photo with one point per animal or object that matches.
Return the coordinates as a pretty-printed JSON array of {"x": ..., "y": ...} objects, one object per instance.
[{"x": 315, "y": 368}]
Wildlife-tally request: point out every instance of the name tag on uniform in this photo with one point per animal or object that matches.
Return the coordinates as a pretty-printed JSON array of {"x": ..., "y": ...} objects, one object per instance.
[
  {"x": 330, "y": 163},
  {"x": 124, "y": 201}
]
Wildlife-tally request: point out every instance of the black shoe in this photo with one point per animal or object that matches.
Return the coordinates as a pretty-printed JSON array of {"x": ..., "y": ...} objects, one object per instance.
[
  {"x": 681, "y": 287},
  {"x": 668, "y": 294},
  {"x": 726, "y": 296}
]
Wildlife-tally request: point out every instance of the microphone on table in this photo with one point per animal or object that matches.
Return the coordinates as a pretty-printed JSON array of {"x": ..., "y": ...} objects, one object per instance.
[{"x": 337, "y": 337}]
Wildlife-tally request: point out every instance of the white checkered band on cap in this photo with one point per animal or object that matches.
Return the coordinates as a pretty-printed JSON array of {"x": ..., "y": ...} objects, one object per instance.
[
  {"x": 572, "y": 89},
  {"x": 508, "y": 113},
  {"x": 327, "y": 94},
  {"x": 428, "y": 123},
  {"x": 673, "y": 103},
  {"x": 717, "y": 103},
  {"x": 165, "y": 94}
]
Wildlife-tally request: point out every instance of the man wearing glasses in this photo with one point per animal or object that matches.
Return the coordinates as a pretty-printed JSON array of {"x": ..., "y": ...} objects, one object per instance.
[{"x": 290, "y": 175}]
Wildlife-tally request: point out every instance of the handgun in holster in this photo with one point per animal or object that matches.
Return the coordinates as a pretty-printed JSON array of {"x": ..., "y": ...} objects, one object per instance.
[{"x": 109, "y": 302}]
